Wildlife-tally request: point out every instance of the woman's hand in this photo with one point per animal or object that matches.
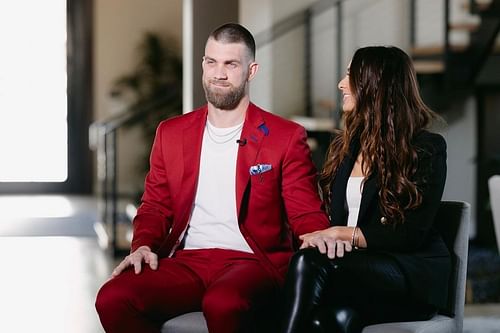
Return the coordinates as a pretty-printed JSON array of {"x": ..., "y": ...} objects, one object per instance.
[{"x": 327, "y": 241}]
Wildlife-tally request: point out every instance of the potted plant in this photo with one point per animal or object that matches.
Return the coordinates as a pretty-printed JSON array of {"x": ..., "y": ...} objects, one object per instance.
[{"x": 152, "y": 90}]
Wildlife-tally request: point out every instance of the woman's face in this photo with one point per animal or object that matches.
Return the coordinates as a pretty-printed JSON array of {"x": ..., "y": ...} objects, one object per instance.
[{"x": 347, "y": 97}]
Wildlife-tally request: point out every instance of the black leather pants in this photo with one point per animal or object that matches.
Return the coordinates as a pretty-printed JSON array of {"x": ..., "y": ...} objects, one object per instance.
[{"x": 346, "y": 294}]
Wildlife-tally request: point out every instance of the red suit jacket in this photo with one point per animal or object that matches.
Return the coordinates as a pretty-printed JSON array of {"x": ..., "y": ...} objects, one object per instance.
[{"x": 269, "y": 204}]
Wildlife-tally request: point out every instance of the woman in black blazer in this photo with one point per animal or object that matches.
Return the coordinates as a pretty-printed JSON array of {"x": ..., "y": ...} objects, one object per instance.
[{"x": 381, "y": 260}]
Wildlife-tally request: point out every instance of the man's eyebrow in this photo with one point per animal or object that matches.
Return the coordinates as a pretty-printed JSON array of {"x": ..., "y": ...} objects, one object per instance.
[{"x": 225, "y": 61}]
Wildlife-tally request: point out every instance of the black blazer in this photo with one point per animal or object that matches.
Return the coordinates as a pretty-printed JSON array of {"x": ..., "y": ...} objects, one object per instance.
[{"x": 416, "y": 245}]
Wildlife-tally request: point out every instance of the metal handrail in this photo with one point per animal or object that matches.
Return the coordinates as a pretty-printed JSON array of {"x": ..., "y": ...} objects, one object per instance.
[
  {"x": 293, "y": 21},
  {"x": 103, "y": 139},
  {"x": 446, "y": 26},
  {"x": 127, "y": 114}
]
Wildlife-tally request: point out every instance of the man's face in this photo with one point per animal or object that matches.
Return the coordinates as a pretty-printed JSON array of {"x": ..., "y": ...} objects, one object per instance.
[{"x": 227, "y": 69}]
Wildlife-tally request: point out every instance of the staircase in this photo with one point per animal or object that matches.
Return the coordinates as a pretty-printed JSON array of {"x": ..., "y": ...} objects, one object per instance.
[
  {"x": 452, "y": 72},
  {"x": 448, "y": 71}
]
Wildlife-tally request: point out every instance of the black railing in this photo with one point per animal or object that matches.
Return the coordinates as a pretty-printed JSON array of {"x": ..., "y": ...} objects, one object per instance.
[
  {"x": 461, "y": 66},
  {"x": 103, "y": 137},
  {"x": 446, "y": 26}
]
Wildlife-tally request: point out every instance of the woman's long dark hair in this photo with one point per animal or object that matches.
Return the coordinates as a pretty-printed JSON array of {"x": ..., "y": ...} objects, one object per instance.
[{"x": 388, "y": 113}]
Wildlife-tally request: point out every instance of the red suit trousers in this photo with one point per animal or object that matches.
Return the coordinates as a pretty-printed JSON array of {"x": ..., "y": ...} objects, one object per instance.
[{"x": 230, "y": 287}]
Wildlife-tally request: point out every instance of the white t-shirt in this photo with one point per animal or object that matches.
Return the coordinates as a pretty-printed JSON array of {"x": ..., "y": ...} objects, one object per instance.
[
  {"x": 353, "y": 195},
  {"x": 214, "y": 221}
]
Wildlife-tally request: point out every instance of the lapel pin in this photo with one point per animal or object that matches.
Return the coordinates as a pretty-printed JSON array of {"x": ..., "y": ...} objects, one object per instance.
[{"x": 264, "y": 129}]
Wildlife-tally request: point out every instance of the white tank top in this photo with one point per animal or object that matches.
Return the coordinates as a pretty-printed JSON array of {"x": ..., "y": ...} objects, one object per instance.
[{"x": 353, "y": 195}]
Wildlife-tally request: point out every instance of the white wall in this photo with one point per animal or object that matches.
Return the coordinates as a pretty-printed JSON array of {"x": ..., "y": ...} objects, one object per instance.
[
  {"x": 277, "y": 87},
  {"x": 461, "y": 137},
  {"x": 256, "y": 15}
]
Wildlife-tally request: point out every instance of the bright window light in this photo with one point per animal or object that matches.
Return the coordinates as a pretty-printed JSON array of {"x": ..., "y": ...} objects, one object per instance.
[
  {"x": 33, "y": 108},
  {"x": 13, "y": 207}
]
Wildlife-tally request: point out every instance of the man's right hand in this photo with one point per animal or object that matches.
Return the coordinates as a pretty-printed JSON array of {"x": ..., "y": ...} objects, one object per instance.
[{"x": 135, "y": 259}]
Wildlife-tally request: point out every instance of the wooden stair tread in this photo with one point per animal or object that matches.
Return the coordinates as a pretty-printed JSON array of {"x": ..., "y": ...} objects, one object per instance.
[
  {"x": 436, "y": 50},
  {"x": 430, "y": 50},
  {"x": 481, "y": 5},
  {"x": 429, "y": 66},
  {"x": 464, "y": 26}
]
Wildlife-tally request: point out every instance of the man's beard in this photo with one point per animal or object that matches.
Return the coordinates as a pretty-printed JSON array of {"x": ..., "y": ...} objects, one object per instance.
[{"x": 221, "y": 100}]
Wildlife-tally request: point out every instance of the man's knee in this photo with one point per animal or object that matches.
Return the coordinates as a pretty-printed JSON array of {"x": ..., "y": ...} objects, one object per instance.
[
  {"x": 113, "y": 299},
  {"x": 108, "y": 299}
]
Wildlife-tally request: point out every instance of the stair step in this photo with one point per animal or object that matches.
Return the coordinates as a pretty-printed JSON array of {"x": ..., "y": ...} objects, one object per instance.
[
  {"x": 429, "y": 66},
  {"x": 438, "y": 50},
  {"x": 481, "y": 5},
  {"x": 432, "y": 50},
  {"x": 464, "y": 26}
]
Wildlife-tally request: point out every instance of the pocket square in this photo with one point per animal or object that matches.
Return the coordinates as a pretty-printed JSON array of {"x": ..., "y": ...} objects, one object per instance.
[{"x": 260, "y": 168}]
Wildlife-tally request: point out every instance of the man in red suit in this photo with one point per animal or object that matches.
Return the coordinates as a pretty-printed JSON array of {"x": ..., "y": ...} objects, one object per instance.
[{"x": 227, "y": 183}]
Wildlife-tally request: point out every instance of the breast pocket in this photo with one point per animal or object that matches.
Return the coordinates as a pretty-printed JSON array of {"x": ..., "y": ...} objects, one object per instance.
[
  {"x": 265, "y": 187},
  {"x": 267, "y": 176}
]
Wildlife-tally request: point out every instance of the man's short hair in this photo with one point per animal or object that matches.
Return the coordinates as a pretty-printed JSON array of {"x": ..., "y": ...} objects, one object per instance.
[{"x": 235, "y": 33}]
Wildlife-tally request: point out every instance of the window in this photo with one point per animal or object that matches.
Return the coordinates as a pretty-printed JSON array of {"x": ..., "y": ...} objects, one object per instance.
[
  {"x": 33, "y": 110},
  {"x": 43, "y": 113}
]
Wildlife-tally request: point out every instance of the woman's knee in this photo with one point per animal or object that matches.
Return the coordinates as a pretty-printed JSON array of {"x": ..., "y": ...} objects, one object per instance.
[{"x": 306, "y": 260}]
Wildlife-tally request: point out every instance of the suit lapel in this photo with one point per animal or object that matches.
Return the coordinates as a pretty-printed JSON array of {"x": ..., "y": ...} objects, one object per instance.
[
  {"x": 339, "y": 208},
  {"x": 368, "y": 194},
  {"x": 247, "y": 154},
  {"x": 192, "y": 139}
]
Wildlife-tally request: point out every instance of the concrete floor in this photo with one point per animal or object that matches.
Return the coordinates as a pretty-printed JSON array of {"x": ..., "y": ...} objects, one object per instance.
[{"x": 48, "y": 284}]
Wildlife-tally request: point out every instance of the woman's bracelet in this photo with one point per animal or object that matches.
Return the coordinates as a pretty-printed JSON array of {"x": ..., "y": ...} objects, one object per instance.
[
  {"x": 353, "y": 236},
  {"x": 356, "y": 238}
]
